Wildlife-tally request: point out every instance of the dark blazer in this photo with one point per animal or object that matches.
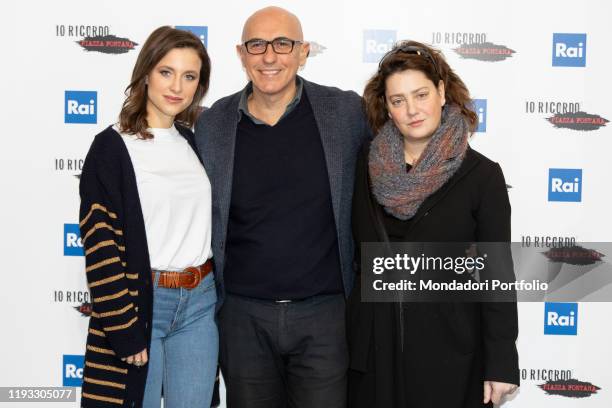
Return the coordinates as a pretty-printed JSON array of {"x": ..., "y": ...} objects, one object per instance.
[
  {"x": 118, "y": 273},
  {"x": 449, "y": 348},
  {"x": 342, "y": 126}
]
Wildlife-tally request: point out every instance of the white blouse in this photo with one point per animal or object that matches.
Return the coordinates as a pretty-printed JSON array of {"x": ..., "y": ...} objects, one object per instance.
[{"x": 175, "y": 196}]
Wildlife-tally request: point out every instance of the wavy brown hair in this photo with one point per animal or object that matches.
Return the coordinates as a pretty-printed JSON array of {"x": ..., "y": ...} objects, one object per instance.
[
  {"x": 133, "y": 116},
  {"x": 435, "y": 68}
]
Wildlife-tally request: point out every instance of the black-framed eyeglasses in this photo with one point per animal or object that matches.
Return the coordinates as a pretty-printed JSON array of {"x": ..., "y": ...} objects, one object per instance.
[
  {"x": 411, "y": 50},
  {"x": 280, "y": 45}
]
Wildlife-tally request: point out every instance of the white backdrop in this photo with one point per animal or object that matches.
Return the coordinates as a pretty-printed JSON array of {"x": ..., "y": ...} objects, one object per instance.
[{"x": 43, "y": 334}]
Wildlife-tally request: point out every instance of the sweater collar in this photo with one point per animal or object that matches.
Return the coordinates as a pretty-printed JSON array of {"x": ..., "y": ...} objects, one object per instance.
[{"x": 243, "y": 107}]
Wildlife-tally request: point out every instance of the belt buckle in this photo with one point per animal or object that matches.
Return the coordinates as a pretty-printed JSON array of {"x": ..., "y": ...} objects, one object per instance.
[{"x": 197, "y": 278}]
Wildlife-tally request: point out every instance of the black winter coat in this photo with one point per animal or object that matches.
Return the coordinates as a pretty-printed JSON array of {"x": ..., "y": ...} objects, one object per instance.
[{"x": 449, "y": 348}]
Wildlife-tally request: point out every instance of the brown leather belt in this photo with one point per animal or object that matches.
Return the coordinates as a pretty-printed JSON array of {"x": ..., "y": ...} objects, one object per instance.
[{"x": 188, "y": 278}]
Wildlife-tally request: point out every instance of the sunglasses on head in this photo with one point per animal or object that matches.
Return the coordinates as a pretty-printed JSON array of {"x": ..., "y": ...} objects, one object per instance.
[{"x": 411, "y": 50}]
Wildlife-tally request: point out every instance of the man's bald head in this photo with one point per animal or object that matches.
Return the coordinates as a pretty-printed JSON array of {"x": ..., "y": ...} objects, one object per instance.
[
  {"x": 272, "y": 19},
  {"x": 273, "y": 74}
]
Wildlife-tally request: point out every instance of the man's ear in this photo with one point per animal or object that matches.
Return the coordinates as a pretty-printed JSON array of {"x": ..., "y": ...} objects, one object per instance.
[
  {"x": 239, "y": 51},
  {"x": 304, "y": 53}
]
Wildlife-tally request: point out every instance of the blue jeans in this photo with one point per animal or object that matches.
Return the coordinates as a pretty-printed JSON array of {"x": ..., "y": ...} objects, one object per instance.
[{"x": 184, "y": 346}]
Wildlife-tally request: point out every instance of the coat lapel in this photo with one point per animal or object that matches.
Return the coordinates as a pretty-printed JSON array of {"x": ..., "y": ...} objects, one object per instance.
[
  {"x": 328, "y": 121},
  {"x": 223, "y": 168},
  {"x": 469, "y": 162},
  {"x": 374, "y": 209}
]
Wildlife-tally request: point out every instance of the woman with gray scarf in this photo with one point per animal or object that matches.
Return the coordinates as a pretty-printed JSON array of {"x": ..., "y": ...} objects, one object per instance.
[{"x": 419, "y": 181}]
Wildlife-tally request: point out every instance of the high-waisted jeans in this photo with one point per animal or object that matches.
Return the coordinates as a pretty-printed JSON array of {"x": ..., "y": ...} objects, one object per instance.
[{"x": 184, "y": 346}]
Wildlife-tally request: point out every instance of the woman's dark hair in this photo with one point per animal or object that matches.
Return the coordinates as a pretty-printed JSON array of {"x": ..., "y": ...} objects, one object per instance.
[
  {"x": 133, "y": 116},
  {"x": 420, "y": 57}
]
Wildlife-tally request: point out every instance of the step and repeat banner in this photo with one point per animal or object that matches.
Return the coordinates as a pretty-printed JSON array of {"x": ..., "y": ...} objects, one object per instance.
[{"x": 538, "y": 72}]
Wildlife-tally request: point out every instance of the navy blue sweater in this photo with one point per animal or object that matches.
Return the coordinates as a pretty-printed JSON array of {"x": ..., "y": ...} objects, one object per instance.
[{"x": 282, "y": 241}]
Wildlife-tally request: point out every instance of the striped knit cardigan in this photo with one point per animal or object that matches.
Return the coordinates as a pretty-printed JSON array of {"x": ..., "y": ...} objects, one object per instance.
[{"x": 118, "y": 273}]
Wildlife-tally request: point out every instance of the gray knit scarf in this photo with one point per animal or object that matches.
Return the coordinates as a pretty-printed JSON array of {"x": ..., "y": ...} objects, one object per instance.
[{"x": 401, "y": 193}]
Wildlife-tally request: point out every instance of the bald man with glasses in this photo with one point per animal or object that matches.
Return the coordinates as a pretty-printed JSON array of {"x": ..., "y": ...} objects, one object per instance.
[{"x": 280, "y": 155}]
